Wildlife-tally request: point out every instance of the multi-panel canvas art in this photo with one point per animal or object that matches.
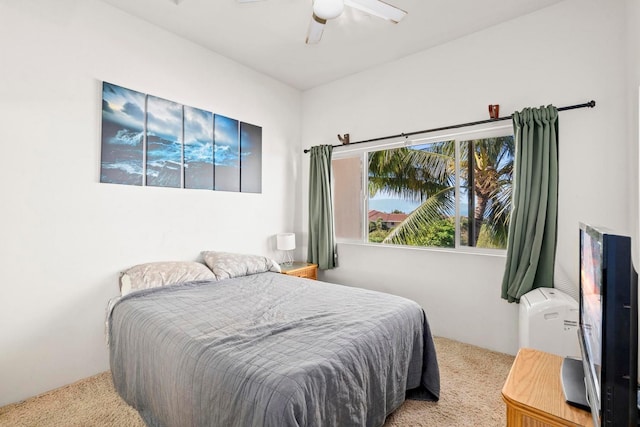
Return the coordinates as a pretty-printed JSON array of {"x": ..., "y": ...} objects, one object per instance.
[
  {"x": 164, "y": 143},
  {"x": 250, "y": 158},
  {"x": 226, "y": 153},
  {"x": 198, "y": 149},
  {"x": 122, "y": 135},
  {"x": 151, "y": 141}
]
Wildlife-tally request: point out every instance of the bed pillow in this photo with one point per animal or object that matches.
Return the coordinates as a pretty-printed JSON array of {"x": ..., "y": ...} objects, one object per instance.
[
  {"x": 226, "y": 265},
  {"x": 154, "y": 274}
]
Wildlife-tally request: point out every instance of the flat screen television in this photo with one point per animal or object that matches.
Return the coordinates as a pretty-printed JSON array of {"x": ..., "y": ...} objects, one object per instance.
[{"x": 608, "y": 327}]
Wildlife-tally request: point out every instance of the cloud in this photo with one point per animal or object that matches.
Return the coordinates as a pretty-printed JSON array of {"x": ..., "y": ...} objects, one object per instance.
[
  {"x": 164, "y": 118},
  {"x": 133, "y": 111},
  {"x": 123, "y": 106},
  {"x": 198, "y": 126},
  {"x": 226, "y": 131},
  {"x": 105, "y": 107}
]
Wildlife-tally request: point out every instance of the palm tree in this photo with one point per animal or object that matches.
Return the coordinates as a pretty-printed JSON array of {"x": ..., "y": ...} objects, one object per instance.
[
  {"x": 427, "y": 174},
  {"x": 492, "y": 166}
]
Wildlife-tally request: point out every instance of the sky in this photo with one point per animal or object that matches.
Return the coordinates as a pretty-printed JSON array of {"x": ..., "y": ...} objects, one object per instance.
[
  {"x": 387, "y": 204},
  {"x": 123, "y": 106},
  {"x": 384, "y": 203}
]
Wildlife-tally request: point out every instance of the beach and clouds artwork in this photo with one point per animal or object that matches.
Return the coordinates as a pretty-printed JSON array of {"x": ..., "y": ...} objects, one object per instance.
[
  {"x": 164, "y": 143},
  {"x": 198, "y": 148},
  {"x": 147, "y": 140},
  {"x": 122, "y": 135},
  {"x": 226, "y": 153},
  {"x": 250, "y": 158}
]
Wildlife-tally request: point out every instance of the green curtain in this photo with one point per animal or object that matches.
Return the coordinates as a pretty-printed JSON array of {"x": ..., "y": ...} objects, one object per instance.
[
  {"x": 534, "y": 216},
  {"x": 321, "y": 249}
]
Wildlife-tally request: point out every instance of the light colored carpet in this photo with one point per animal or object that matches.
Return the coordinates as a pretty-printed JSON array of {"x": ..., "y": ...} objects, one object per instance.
[{"x": 471, "y": 381}]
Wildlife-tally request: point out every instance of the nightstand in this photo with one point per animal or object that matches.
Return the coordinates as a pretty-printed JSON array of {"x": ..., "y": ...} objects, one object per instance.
[{"x": 301, "y": 269}]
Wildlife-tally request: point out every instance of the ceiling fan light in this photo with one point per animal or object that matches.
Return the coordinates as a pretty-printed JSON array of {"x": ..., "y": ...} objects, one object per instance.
[
  {"x": 328, "y": 9},
  {"x": 378, "y": 8},
  {"x": 316, "y": 27}
]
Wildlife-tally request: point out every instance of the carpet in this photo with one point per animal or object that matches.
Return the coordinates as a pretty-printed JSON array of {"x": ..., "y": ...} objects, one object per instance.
[{"x": 471, "y": 382}]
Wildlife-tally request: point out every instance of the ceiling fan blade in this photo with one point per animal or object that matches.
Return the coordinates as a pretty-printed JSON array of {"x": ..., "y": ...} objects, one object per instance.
[
  {"x": 316, "y": 26},
  {"x": 378, "y": 8}
]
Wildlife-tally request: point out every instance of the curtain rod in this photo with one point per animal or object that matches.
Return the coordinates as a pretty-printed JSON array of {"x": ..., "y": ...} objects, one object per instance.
[{"x": 589, "y": 104}]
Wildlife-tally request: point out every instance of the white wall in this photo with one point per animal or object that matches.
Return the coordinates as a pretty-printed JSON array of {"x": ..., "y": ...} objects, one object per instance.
[
  {"x": 566, "y": 54},
  {"x": 63, "y": 235}
]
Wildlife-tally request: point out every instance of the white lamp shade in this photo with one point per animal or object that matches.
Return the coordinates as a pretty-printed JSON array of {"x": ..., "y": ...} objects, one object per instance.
[{"x": 286, "y": 241}]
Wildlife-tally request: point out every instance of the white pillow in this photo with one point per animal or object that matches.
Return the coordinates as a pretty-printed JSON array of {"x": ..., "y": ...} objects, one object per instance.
[
  {"x": 226, "y": 265},
  {"x": 154, "y": 274}
]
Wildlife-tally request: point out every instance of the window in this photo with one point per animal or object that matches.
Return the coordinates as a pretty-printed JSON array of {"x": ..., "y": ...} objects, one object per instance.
[
  {"x": 348, "y": 196},
  {"x": 448, "y": 192}
]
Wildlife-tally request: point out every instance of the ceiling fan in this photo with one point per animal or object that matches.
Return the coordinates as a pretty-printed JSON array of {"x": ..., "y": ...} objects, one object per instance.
[{"x": 324, "y": 10}]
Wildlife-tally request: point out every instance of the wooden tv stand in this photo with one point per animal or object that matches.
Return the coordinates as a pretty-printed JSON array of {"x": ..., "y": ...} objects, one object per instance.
[{"x": 533, "y": 393}]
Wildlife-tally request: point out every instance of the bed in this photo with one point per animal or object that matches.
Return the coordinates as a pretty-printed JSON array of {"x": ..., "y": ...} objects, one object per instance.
[{"x": 253, "y": 347}]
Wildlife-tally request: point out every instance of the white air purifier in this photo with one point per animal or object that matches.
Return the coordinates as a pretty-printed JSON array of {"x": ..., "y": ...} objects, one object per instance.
[{"x": 549, "y": 322}]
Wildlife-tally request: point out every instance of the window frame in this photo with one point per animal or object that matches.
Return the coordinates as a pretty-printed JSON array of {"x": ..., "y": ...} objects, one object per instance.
[{"x": 477, "y": 132}]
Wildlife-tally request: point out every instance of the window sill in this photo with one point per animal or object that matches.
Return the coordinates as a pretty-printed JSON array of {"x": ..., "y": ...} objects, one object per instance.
[{"x": 500, "y": 253}]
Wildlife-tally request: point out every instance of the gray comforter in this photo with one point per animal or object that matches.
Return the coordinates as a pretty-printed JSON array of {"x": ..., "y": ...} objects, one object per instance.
[{"x": 269, "y": 350}]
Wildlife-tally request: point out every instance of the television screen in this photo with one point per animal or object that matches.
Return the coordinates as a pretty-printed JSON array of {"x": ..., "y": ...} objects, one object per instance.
[
  {"x": 591, "y": 304},
  {"x": 608, "y": 326}
]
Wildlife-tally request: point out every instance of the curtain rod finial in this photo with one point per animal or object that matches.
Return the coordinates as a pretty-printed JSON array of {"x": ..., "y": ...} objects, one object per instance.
[
  {"x": 344, "y": 139},
  {"x": 494, "y": 111}
]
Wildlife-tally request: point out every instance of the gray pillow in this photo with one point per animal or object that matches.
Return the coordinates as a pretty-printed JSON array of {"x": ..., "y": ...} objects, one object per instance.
[
  {"x": 226, "y": 265},
  {"x": 154, "y": 274}
]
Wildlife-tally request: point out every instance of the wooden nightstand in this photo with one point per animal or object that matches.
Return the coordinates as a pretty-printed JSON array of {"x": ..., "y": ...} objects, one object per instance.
[{"x": 301, "y": 269}]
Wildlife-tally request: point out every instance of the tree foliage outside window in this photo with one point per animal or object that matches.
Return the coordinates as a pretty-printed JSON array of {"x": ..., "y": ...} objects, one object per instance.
[
  {"x": 459, "y": 193},
  {"x": 485, "y": 182}
]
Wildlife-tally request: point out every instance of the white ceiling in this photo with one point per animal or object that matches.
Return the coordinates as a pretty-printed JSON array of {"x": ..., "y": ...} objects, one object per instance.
[{"x": 269, "y": 35}]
